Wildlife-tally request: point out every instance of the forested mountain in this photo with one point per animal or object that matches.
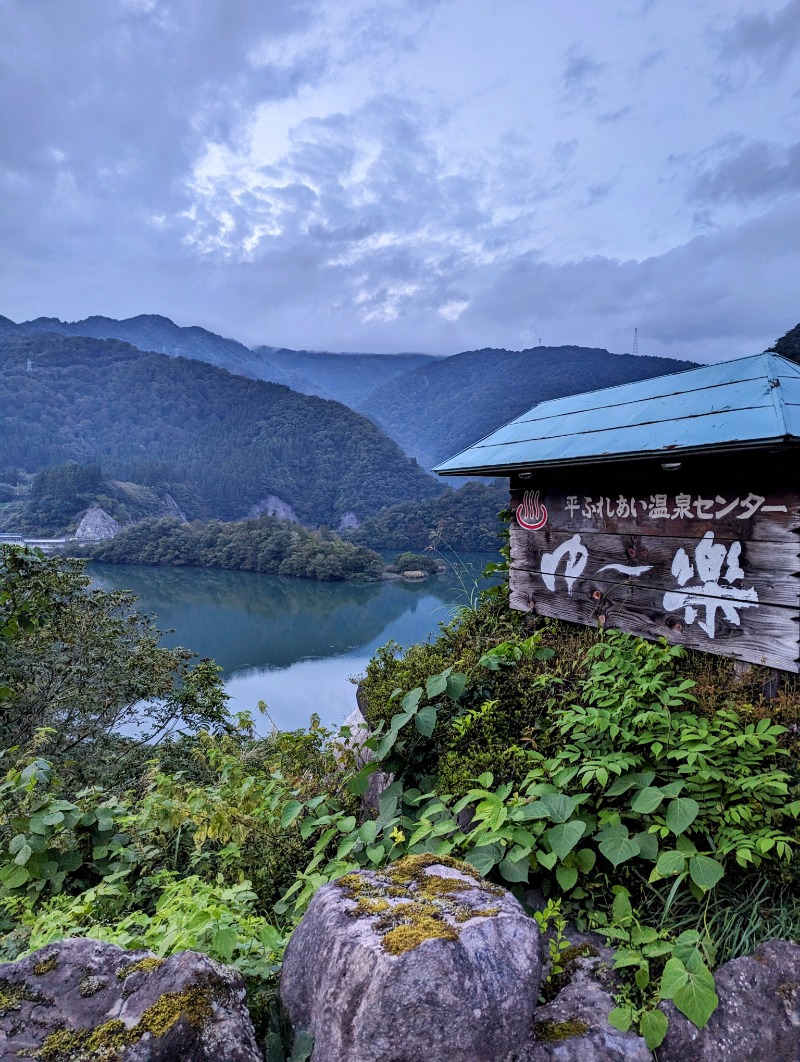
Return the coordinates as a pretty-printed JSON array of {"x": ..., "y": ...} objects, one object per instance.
[
  {"x": 440, "y": 408},
  {"x": 788, "y": 346},
  {"x": 346, "y": 378},
  {"x": 218, "y": 443}
]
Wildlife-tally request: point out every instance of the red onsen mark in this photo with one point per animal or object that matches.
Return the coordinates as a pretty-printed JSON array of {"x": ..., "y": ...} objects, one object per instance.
[{"x": 531, "y": 513}]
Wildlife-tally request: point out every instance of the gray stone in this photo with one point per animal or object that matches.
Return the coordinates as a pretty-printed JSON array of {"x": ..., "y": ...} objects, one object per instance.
[
  {"x": 758, "y": 1017},
  {"x": 97, "y": 526},
  {"x": 349, "y": 522},
  {"x": 420, "y": 962},
  {"x": 574, "y": 1028},
  {"x": 272, "y": 505},
  {"x": 101, "y": 1003}
]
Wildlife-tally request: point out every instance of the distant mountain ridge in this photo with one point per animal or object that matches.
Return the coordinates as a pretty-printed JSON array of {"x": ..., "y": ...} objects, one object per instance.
[
  {"x": 439, "y": 409},
  {"x": 343, "y": 377},
  {"x": 218, "y": 443}
]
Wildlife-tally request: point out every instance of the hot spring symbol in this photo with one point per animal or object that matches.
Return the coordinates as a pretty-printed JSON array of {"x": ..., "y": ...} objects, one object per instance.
[{"x": 531, "y": 513}]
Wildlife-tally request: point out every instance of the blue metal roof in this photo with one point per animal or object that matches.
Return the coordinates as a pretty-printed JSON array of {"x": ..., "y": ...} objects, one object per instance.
[{"x": 732, "y": 405}]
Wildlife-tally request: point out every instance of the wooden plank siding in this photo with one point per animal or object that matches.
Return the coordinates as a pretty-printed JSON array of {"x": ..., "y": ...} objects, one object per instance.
[{"x": 708, "y": 558}]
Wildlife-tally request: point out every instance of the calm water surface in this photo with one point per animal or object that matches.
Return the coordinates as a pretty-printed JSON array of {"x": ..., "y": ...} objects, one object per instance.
[{"x": 292, "y": 643}]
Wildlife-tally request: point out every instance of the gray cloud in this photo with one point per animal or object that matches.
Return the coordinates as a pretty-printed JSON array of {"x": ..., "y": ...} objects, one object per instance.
[
  {"x": 758, "y": 42},
  {"x": 581, "y": 71},
  {"x": 750, "y": 170}
]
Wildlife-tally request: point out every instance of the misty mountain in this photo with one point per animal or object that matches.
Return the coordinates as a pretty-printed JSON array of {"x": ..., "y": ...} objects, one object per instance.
[
  {"x": 218, "y": 443},
  {"x": 442, "y": 407},
  {"x": 343, "y": 377}
]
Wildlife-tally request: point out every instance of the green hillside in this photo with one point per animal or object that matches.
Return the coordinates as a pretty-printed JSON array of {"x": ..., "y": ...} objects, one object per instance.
[
  {"x": 442, "y": 407},
  {"x": 218, "y": 443}
]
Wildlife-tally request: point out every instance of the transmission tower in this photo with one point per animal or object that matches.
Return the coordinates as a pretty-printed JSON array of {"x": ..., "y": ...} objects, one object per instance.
[{"x": 636, "y": 341}]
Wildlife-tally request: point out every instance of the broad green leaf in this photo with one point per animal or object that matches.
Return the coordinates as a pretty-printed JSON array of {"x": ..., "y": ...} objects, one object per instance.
[
  {"x": 567, "y": 877},
  {"x": 621, "y": 1018},
  {"x": 12, "y": 879},
  {"x": 674, "y": 978},
  {"x": 515, "y": 870},
  {"x": 359, "y": 783},
  {"x": 564, "y": 837},
  {"x": 647, "y": 800},
  {"x": 585, "y": 860},
  {"x": 559, "y": 807},
  {"x": 648, "y": 846},
  {"x": 367, "y": 831},
  {"x": 425, "y": 720},
  {"x": 485, "y": 780},
  {"x": 681, "y": 813},
  {"x": 653, "y": 1026},
  {"x": 670, "y": 863},
  {"x": 535, "y": 810},
  {"x": 621, "y": 909},
  {"x": 224, "y": 942},
  {"x": 410, "y": 702},
  {"x": 375, "y": 853},
  {"x": 618, "y": 849},
  {"x": 697, "y": 998},
  {"x": 547, "y": 859},
  {"x": 290, "y": 813},
  {"x": 456, "y": 684},
  {"x": 483, "y": 858},
  {"x": 436, "y": 685},
  {"x": 346, "y": 824},
  {"x": 705, "y": 872},
  {"x": 23, "y": 855}
]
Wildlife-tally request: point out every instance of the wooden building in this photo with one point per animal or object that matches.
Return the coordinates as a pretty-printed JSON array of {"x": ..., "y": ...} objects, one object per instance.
[{"x": 669, "y": 507}]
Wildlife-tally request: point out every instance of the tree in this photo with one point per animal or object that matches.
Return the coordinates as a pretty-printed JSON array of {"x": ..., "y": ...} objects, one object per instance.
[
  {"x": 84, "y": 664},
  {"x": 788, "y": 346}
]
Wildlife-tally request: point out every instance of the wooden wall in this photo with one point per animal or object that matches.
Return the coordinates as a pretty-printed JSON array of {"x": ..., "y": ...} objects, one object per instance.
[{"x": 708, "y": 555}]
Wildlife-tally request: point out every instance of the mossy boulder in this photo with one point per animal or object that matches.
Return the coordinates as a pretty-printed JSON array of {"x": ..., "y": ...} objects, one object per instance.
[
  {"x": 82, "y": 1000},
  {"x": 420, "y": 960}
]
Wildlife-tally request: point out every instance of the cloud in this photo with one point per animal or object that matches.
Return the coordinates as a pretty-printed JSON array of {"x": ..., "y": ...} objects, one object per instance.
[
  {"x": 612, "y": 117},
  {"x": 750, "y": 170},
  {"x": 581, "y": 71},
  {"x": 757, "y": 42}
]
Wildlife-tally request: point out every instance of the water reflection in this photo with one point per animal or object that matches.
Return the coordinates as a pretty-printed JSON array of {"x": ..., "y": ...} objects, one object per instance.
[{"x": 290, "y": 642}]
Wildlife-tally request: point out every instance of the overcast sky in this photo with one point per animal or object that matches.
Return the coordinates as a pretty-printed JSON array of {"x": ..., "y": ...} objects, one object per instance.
[{"x": 432, "y": 175}]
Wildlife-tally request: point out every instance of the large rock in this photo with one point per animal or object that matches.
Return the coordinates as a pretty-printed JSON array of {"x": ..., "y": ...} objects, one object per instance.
[
  {"x": 574, "y": 1028},
  {"x": 420, "y": 962},
  {"x": 272, "y": 505},
  {"x": 97, "y": 526},
  {"x": 758, "y": 1017},
  {"x": 81, "y": 1000}
]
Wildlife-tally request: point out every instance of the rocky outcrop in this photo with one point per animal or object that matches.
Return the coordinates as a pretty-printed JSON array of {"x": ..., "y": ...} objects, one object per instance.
[
  {"x": 422, "y": 960},
  {"x": 171, "y": 508},
  {"x": 97, "y": 526},
  {"x": 574, "y": 1028},
  {"x": 82, "y": 1000},
  {"x": 349, "y": 522},
  {"x": 272, "y": 505},
  {"x": 758, "y": 1017}
]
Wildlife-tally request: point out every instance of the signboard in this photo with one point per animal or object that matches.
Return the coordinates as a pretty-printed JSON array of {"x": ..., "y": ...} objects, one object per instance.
[{"x": 714, "y": 567}]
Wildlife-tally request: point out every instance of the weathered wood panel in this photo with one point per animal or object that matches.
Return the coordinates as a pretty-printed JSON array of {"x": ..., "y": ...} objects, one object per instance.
[
  {"x": 764, "y": 634},
  {"x": 730, "y": 512},
  {"x": 707, "y": 556},
  {"x": 769, "y": 567}
]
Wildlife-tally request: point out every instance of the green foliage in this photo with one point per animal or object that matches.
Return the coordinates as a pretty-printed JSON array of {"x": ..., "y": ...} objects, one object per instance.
[
  {"x": 217, "y": 443},
  {"x": 788, "y": 346},
  {"x": 83, "y": 663},
  {"x": 442, "y": 407},
  {"x": 263, "y": 545},
  {"x": 405, "y": 562},
  {"x": 463, "y": 519}
]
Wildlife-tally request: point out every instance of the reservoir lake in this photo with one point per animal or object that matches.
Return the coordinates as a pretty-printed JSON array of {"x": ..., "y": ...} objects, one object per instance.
[{"x": 293, "y": 643}]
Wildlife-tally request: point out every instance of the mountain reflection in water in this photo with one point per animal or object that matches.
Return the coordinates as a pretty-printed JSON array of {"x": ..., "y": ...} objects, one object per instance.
[{"x": 290, "y": 642}]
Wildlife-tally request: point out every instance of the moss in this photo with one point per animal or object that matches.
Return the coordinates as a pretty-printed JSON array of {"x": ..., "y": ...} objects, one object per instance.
[
  {"x": 146, "y": 965},
  {"x": 107, "y": 1042},
  {"x": 559, "y": 1030},
  {"x": 407, "y": 937},
  {"x": 410, "y": 906},
  {"x": 13, "y": 995},
  {"x": 46, "y": 966},
  {"x": 90, "y": 985},
  {"x": 193, "y": 1003}
]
